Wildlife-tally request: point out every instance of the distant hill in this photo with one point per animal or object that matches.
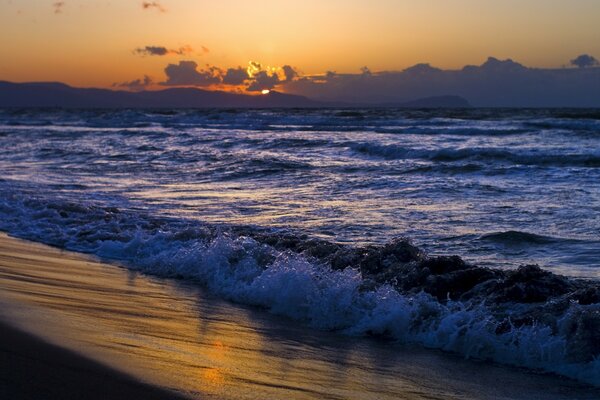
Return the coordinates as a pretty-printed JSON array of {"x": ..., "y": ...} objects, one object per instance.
[
  {"x": 64, "y": 96},
  {"x": 54, "y": 94}
]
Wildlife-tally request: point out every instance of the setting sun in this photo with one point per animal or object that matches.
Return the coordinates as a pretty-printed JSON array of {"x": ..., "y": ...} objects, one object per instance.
[{"x": 266, "y": 91}]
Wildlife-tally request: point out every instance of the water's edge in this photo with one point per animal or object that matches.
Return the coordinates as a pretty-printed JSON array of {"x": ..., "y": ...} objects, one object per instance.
[
  {"x": 174, "y": 334},
  {"x": 525, "y": 317}
]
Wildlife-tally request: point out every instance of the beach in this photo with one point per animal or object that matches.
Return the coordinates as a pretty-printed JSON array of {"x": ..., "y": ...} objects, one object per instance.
[
  {"x": 86, "y": 320},
  {"x": 33, "y": 369}
]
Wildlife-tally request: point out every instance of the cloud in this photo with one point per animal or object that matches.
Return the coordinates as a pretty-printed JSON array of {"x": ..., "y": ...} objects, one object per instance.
[
  {"x": 254, "y": 78},
  {"x": 584, "y": 61},
  {"x": 147, "y": 5},
  {"x": 289, "y": 73},
  {"x": 235, "y": 76},
  {"x": 494, "y": 83},
  {"x": 162, "y": 51},
  {"x": 254, "y": 67},
  {"x": 135, "y": 85},
  {"x": 494, "y": 65},
  {"x": 262, "y": 80},
  {"x": 186, "y": 73},
  {"x": 58, "y": 6},
  {"x": 152, "y": 51}
]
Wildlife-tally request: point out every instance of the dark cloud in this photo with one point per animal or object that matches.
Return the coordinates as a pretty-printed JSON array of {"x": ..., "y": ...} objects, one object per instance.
[
  {"x": 162, "y": 51},
  {"x": 135, "y": 85},
  {"x": 263, "y": 81},
  {"x": 58, "y": 6},
  {"x": 186, "y": 73},
  {"x": 235, "y": 76},
  {"x": 495, "y": 83},
  {"x": 254, "y": 78},
  {"x": 147, "y": 5},
  {"x": 496, "y": 66},
  {"x": 584, "y": 61},
  {"x": 152, "y": 51},
  {"x": 289, "y": 72}
]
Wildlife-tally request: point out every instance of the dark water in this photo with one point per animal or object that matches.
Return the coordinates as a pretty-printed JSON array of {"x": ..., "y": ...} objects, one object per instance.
[
  {"x": 161, "y": 190},
  {"x": 499, "y": 188}
]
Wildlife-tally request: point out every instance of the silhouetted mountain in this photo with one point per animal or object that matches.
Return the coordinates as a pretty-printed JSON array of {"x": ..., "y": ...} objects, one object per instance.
[
  {"x": 51, "y": 94},
  {"x": 54, "y": 94}
]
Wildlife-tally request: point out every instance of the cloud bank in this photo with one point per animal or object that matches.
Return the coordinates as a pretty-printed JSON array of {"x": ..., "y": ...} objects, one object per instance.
[
  {"x": 254, "y": 78},
  {"x": 186, "y": 73},
  {"x": 495, "y": 83}
]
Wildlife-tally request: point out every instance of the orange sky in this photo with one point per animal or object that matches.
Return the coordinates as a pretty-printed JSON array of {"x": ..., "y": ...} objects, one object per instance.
[{"x": 92, "y": 42}]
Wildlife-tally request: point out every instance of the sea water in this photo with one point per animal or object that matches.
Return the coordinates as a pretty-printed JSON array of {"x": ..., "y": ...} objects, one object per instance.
[{"x": 168, "y": 191}]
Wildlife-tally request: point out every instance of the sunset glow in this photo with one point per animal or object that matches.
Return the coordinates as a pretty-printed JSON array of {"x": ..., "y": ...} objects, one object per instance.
[{"x": 100, "y": 43}]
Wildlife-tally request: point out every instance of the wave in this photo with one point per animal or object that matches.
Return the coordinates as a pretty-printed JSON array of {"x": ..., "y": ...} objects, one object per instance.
[
  {"x": 526, "y": 317},
  {"x": 447, "y": 168},
  {"x": 392, "y": 151},
  {"x": 584, "y": 122},
  {"x": 454, "y": 130},
  {"x": 518, "y": 237},
  {"x": 253, "y": 167}
]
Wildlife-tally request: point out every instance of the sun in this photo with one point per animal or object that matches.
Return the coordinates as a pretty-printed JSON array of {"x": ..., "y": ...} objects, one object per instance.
[{"x": 266, "y": 91}]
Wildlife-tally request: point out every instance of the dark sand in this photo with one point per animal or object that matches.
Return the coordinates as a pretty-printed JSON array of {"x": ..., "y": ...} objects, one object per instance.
[
  {"x": 176, "y": 337},
  {"x": 33, "y": 369}
]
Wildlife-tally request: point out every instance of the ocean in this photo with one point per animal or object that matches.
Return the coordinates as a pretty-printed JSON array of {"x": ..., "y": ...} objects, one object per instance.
[{"x": 260, "y": 206}]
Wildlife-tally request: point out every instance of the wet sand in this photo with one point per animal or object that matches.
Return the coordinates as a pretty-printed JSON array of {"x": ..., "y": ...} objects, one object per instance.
[
  {"x": 33, "y": 369},
  {"x": 176, "y": 337}
]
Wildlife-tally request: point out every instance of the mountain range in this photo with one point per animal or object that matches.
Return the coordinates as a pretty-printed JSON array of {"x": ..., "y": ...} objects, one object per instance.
[{"x": 60, "y": 95}]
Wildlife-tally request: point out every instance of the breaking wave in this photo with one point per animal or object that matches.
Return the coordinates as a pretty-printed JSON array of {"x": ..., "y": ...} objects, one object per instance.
[
  {"x": 526, "y": 317},
  {"x": 518, "y": 237}
]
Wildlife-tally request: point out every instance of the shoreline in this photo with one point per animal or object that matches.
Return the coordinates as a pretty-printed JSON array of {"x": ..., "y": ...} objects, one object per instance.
[
  {"x": 174, "y": 335},
  {"x": 31, "y": 368}
]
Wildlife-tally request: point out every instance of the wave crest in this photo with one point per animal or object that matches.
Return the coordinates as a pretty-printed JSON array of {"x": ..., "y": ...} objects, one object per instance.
[{"x": 396, "y": 152}]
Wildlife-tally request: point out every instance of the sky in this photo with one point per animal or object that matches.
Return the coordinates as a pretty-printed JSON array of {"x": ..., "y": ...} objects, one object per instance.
[{"x": 102, "y": 43}]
